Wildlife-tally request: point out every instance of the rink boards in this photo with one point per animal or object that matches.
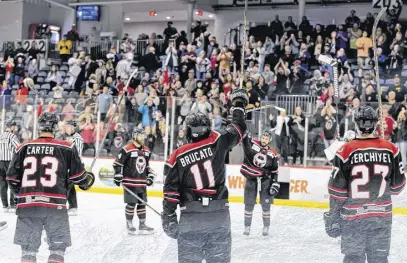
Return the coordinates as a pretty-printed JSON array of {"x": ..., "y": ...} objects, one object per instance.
[{"x": 307, "y": 186}]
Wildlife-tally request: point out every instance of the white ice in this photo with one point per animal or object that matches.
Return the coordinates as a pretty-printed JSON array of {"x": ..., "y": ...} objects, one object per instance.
[{"x": 98, "y": 236}]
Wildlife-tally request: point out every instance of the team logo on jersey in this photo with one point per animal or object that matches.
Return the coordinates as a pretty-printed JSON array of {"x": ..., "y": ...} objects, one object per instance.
[
  {"x": 260, "y": 159},
  {"x": 118, "y": 141},
  {"x": 140, "y": 164}
]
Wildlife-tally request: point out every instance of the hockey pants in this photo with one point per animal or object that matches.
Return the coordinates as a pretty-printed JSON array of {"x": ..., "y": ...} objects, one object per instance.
[
  {"x": 250, "y": 195},
  {"x": 72, "y": 200},
  {"x": 204, "y": 233},
  {"x": 28, "y": 235},
  {"x": 363, "y": 239}
]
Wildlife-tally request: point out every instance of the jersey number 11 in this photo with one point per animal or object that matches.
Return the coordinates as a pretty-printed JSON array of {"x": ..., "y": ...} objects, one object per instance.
[{"x": 198, "y": 177}]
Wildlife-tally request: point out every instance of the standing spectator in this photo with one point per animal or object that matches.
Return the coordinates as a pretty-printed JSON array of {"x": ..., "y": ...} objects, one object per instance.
[
  {"x": 2, "y": 69},
  {"x": 401, "y": 134},
  {"x": 329, "y": 124},
  {"x": 101, "y": 72},
  {"x": 104, "y": 101},
  {"x": 354, "y": 33},
  {"x": 22, "y": 93},
  {"x": 123, "y": 68},
  {"x": 305, "y": 25},
  {"x": 282, "y": 125},
  {"x": 190, "y": 83},
  {"x": 147, "y": 111},
  {"x": 388, "y": 125},
  {"x": 171, "y": 60},
  {"x": 352, "y": 19},
  {"x": 150, "y": 61},
  {"x": 297, "y": 127},
  {"x": 202, "y": 65},
  {"x": 342, "y": 37},
  {"x": 363, "y": 44},
  {"x": 181, "y": 39},
  {"x": 169, "y": 33},
  {"x": 73, "y": 34},
  {"x": 72, "y": 60},
  {"x": 19, "y": 70},
  {"x": 64, "y": 46},
  {"x": 10, "y": 52},
  {"x": 282, "y": 73},
  {"x": 290, "y": 25},
  {"x": 277, "y": 26}
]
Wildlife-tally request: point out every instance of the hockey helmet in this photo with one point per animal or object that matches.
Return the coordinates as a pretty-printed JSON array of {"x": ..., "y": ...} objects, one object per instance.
[
  {"x": 48, "y": 122},
  {"x": 11, "y": 123},
  {"x": 366, "y": 120},
  {"x": 198, "y": 127},
  {"x": 71, "y": 122},
  {"x": 136, "y": 132}
]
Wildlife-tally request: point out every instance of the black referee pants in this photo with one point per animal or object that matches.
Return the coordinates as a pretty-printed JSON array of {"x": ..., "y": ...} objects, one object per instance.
[
  {"x": 72, "y": 201},
  {"x": 4, "y": 185}
]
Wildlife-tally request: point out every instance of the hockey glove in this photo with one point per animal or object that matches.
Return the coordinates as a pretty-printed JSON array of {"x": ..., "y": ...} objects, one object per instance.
[
  {"x": 118, "y": 178},
  {"x": 150, "y": 180},
  {"x": 332, "y": 225},
  {"x": 90, "y": 180},
  {"x": 170, "y": 225},
  {"x": 274, "y": 189},
  {"x": 239, "y": 98}
]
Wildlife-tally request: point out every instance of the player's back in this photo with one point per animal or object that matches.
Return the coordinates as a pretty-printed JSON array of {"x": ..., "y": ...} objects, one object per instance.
[
  {"x": 201, "y": 166},
  {"x": 43, "y": 167},
  {"x": 372, "y": 170}
]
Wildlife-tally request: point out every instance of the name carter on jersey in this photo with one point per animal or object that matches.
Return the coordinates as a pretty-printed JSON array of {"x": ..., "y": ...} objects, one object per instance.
[
  {"x": 196, "y": 156},
  {"x": 372, "y": 157},
  {"x": 33, "y": 150}
]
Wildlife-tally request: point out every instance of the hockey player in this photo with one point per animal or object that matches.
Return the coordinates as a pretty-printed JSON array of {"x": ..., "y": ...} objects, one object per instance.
[
  {"x": 76, "y": 139},
  {"x": 8, "y": 145},
  {"x": 195, "y": 179},
  {"x": 38, "y": 174},
  {"x": 133, "y": 171},
  {"x": 366, "y": 172},
  {"x": 260, "y": 166}
]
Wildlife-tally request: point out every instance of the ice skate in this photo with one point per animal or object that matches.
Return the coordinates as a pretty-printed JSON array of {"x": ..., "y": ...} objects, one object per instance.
[
  {"x": 246, "y": 230},
  {"x": 5, "y": 209},
  {"x": 131, "y": 230},
  {"x": 3, "y": 225},
  {"x": 73, "y": 211},
  {"x": 265, "y": 231},
  {"x": 144, "y": 229},
  {"x": 12, "y": 210}
]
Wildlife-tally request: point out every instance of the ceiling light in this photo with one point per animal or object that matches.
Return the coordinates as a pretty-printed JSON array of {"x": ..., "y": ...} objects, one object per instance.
[
  {"x": 127, "y": 18},
  {"x": 210, "y": 15},
  {"x": 196, "y": 13},
  {"x": 167, "y": 17}
]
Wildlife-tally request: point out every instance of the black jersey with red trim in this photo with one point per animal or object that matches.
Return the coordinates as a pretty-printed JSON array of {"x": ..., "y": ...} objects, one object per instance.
[
  {"x": 133, "y": 163},
  {"x": 40, "y": 171},
  {"x": 197, "y": 170},
  {"x": 258, "y": 161},
  {"x": 366, "y": 173}
]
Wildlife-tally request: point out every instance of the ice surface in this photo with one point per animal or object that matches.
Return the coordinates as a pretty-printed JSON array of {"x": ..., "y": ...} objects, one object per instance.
[{"x": 98, "y": 236}]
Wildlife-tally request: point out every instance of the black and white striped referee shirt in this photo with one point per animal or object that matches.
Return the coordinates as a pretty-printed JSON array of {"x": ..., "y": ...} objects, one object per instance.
[
  {"x": 77, "y": 141},
  {"x": 8, "y": 145}
]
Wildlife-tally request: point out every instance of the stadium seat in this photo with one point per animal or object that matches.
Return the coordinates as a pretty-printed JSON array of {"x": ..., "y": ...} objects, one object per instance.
[
  {"x": 10, "y": 114},
  {"x": 62, "y": 73},
  {"x": 103, "y": 152},
  {"x": 42, "y": 74},
  {"x": 404, "y": 73},
  {"x": 15, "y": 87},
  {"x": 19, "y": 114},
  {"x": 66, "y": 86},
  {"x": 46, "y": 86},
  {"x": 89, "y": 152},
  {"x": 64, "y": 68},
  {"x": 40, "y": 80},
  {"x": 389, "y": 82},
  {"x": 51, "y": 93},
  {"x": 37, "y": 87}
]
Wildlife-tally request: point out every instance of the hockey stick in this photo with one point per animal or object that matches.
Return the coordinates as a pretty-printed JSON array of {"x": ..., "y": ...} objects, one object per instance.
[
  {"x": 244, "y": 43},
  {"x": 141, "y": 200},
  {"x": 376, "y": 68},
  {"x": 266, "y": 107},
  {"x": 111, "y": 120}
]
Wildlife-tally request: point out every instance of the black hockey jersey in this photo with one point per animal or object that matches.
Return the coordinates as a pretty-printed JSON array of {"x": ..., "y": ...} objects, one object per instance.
[
  {"x": 197, "y": 170},
  {"x": 133, "y": 164},
  {"x": 41, "y": 169},
  {"x": 366, "y": 173},
  {"x": 258, "y": 161}
]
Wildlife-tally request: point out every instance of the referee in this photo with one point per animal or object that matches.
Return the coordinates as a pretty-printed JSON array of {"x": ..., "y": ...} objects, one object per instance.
[
  {"x": 8, "y": 145},
  {"x": 76, "y": 139}
]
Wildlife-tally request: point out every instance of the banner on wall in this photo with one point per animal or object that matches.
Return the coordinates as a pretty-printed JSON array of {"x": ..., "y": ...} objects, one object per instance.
[{"x": 309, "y": 184}]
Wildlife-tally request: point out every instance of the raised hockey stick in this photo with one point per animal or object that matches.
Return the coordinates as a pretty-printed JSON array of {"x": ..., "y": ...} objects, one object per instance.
[
  {"x": 376, "y": 68},
  {"x": 116, "y": 110},
  {"x": 244, "y": 43},
  {"x": 141, "y": 200},
  {"x": 266, "y": 107}
]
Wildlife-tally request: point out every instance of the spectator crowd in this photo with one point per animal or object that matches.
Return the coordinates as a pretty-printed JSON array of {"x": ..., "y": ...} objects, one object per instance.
[{"x": 176, "y": 77}]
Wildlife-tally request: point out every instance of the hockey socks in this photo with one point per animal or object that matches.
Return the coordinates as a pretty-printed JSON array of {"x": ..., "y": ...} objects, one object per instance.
[
  {"x": 56, "y": 257},
  {"x": 129, "y": 211},
  {"x": 28, "y": 257}
]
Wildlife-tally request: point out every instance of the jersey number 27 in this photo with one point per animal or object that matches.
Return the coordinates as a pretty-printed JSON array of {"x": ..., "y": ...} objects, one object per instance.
[
  {"x": 49, "y": 179},
  {"x": 364, "y": 172}
]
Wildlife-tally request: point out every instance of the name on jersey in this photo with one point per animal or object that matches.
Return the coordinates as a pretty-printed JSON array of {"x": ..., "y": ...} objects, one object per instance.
[
  {"x": 48, "y": 150},
  {"x": 196, "y": 156},
  {"x": 372, "y": 157}
]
